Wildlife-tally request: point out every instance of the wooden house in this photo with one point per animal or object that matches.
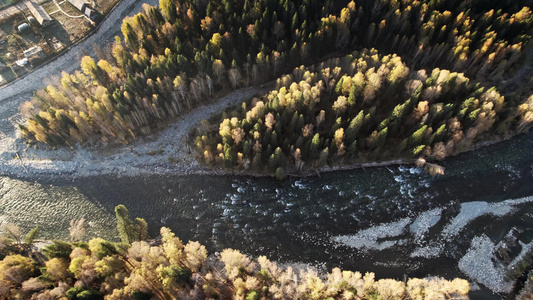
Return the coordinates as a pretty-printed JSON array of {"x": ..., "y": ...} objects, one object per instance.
[{"x": 39, "y": 13}]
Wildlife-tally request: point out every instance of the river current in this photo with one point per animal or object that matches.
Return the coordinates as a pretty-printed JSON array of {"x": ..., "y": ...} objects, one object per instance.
[{"x": 394, "y": 221}]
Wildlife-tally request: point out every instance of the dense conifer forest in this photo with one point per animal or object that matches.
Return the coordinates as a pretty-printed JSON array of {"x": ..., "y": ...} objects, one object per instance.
[
  {"x": 358, "y": 108},
  {"x": 464, "y": 79},
  {"x": 172, "y": 58},
  {"x": 180, "y": 54},
  {"x": 170, "y": 269}
]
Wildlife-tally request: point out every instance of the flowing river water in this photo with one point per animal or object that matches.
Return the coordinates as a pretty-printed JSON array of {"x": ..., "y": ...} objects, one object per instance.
[{"x": 394, "y": 221}]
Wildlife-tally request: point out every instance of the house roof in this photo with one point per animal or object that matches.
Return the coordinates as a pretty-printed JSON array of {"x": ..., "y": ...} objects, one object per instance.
[
  {"x": 79, "y": 4},
  {"x": 38, "y": 12},
  {"x": 36, "y": 50}
]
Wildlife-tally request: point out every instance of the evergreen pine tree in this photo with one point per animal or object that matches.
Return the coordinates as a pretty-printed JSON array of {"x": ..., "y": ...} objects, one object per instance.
[{"x": 129, "y": 231}]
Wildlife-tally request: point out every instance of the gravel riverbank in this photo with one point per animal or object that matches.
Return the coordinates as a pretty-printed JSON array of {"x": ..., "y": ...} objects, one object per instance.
[{"x": 166, "y": 152}]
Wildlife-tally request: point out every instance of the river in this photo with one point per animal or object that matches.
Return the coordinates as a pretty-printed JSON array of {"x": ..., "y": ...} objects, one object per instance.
[{"x": 394, "y": 221}]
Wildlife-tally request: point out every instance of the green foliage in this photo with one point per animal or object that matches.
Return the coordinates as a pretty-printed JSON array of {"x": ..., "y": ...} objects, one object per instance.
[
  {"x": 264, "y": 275},
  {"x": 141, "y": 228},
  {"x": 73, "y": 292},
  {"x": 168, "y": 9},
  {"x": 367, "y": 130},
  {"x": 89, "y": 295},
  {"x": 178, "y": 55},
  {"x": 106, "y": 249},
  {"x": 253, "y": 295},
  {"x": 124, "y": 225},
  {"x": 14, "y": 269},
  {"x": 78, "y": 293},
  {"x": 418, "y": 150},
  {"x": 315, "y": 145},
  {"x": 141, "y": 295},
  {"x": 418, "y": 136},
  {"x": 323, "y": 159},
  {"x": 174, "y": 273},
  {"x": 171, "y": 58},
  {"x": 380, "y": 139},
  {"x": 59, "y": 249},
  {"x": 30, "y": 237},
  {"x": 354, "y": 127},
  {"x": 82, "y": 245},
  {"x": 130, "y": 231}
]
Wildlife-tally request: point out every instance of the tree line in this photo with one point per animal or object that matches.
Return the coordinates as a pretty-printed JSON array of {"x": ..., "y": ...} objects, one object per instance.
[{"x": 171, "y": 269}]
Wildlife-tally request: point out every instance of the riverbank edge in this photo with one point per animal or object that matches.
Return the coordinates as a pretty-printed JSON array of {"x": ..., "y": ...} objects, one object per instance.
[
  {"x": 337, "y": 168},
  {"x": 200, "y": 169},
  {"x": 166, "y": 152}
]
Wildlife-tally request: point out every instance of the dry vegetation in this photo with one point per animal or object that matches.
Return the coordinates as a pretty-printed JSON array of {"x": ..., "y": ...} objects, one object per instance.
[{"x": 99, "y": 269}]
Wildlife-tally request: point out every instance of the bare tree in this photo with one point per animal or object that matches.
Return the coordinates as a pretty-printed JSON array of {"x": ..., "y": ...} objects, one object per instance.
[
  {"x": 77, "y": 229},
  {"x": 13, "y": 231},
  {"x": 234, "y": 77},
  {"x": 320, "y": 118}
]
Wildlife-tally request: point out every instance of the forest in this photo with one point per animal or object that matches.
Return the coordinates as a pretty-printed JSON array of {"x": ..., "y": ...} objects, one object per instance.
[
  {"x": 171, "y": 59},
  {"x": 185, "y": 53},
  {"x": 462, "y": 79},
  {"x": 167, "y": 268},
  {"x": 355, "y": 81},
  {"x": 358, "y": 108}
]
